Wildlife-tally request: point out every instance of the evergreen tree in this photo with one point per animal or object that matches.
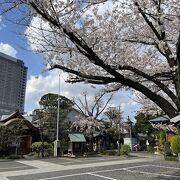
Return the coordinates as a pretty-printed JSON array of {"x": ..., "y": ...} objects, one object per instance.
[{"x": 48, "y": 116}]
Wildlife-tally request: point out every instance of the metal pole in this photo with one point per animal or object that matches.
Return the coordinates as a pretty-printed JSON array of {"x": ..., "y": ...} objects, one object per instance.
[
  {"x": 119, "y": 124},
  {"x": 57, "y": 142},
  {"x": 57, "y": 135}
]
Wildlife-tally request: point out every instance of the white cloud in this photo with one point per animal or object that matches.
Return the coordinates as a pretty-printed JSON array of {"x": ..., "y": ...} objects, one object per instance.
[
  {"x": 123, "y": 106},
  {"x": 133, "y": 103},
  {"x": 7, "y": 49},
  {"x": 1, "y": 24},
  {"x": 36, "y": 87}
]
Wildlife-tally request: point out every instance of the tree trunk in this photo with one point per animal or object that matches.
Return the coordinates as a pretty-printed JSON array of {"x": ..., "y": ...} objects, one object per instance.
[{"x": 177, "y": 75}]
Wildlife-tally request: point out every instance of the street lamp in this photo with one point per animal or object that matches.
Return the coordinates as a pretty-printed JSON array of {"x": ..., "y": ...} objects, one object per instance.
[{"x": 57, "y": 142}]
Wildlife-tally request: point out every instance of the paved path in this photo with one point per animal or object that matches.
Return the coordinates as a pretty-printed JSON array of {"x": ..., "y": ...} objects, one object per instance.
[{"x": 41, "y": 166}]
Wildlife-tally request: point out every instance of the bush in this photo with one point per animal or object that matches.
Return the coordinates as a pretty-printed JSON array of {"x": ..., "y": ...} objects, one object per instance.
[
  {"x": 39, "y": 147},
  {"x": 175, "y": 144},
  {"x": 151, "y": 149},
  {"x": 125, "y": 149},
  {"x": 171, "y": 158},
  {"x": 162, "y": 135},
  {"x": 64, "y": 147}
]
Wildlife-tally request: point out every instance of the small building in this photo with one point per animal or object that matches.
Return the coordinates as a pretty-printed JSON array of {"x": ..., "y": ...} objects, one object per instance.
[
  {"x": 164, "y": 123},
  {"x": 77, "y": 144},
  {"x": 160, "y": 120},
  {"x": 23, "y": 146}
]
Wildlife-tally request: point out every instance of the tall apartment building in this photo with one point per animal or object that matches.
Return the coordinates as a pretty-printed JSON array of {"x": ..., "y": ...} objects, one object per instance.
[{"x": 13, "y": 76}]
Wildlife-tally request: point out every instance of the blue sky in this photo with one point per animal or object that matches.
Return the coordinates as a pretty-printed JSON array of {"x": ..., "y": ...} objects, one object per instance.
[{"x": 14, "y": 44}]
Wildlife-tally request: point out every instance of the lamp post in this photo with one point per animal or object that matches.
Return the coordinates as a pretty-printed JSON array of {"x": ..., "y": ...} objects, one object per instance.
[{"x": 57, "y": 142}]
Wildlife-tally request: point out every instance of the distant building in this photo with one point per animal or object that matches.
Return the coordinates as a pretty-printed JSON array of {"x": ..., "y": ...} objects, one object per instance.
[{"x": 13, "y": 75}]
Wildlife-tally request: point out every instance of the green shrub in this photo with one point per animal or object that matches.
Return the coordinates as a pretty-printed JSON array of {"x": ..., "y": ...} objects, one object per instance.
[
  {"x": 162, "y": 138},
  {"x": 38, "y": 148},
  {"x": 171, "y": 158},
  {"x": 125, "y": 149},
  {"x": 175, "y": 144},
  {"x": 150, "y": 149},
  {"x": 64, "y": 147}
]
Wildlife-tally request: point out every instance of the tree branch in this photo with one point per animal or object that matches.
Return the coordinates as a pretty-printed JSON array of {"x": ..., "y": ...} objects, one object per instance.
[
  {"x": 153, "y": 79},
  {"x": 105, "y": 105},
  {"x": 93, "y": 57},
  {"x": 148, "y": 21},
  {"x": 90, "y": 77}
]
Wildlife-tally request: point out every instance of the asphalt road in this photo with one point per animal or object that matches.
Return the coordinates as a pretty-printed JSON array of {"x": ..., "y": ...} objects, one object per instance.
[
  {"x": 12, "y": 166},
  {"x": 156, "y": 169}
]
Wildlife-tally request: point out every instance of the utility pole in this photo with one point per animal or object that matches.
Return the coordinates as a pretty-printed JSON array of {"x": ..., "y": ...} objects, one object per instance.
[
  {"x": 119, "y": 129},
  {"x": 57, "y": 142},
  {"x": 57, "y": 132}
]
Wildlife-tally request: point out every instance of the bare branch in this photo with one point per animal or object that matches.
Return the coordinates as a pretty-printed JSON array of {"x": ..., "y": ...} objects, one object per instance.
[{"x": 107, "y": 102}]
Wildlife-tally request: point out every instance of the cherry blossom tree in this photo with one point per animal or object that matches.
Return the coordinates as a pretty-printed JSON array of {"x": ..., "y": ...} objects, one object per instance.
[
  {"x": 132, "y": 44},
  {"x": 91, "y": 109},
  {"x": 93, "y": 106},
  {"x": 114, "y": 115}
]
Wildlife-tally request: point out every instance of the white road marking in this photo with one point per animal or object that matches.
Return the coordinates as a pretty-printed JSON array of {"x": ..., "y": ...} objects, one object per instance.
[
  {"x": 93, "y": 172},
  {"x": 157, "y": 174},
  {"x": 120, "y": 169},
  {"x": 79, "y": 174},
  {"x": 50, "y": 167},
  {"x": 105, "y": 177},
  {"x": 13, "y": 167}
]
